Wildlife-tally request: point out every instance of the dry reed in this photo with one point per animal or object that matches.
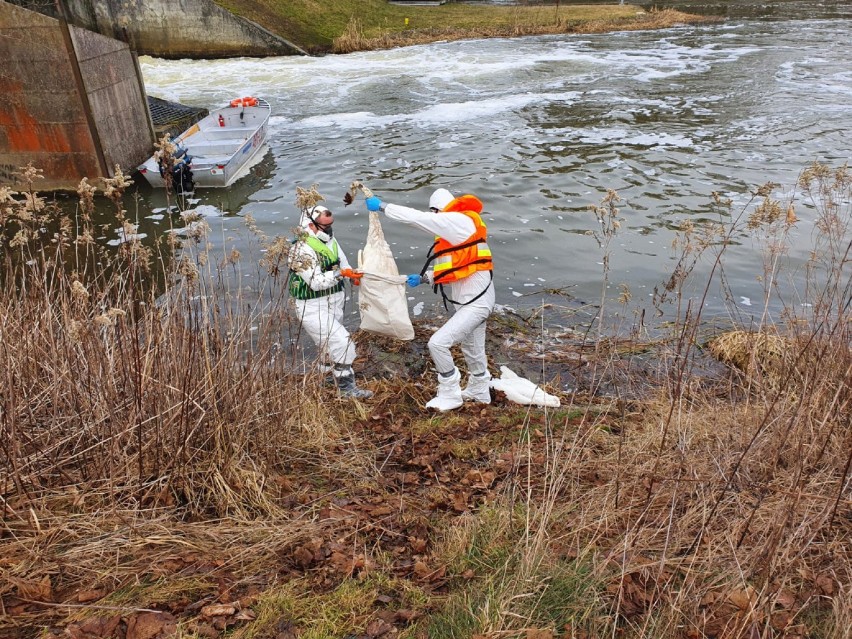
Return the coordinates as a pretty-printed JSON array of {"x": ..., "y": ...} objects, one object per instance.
[
  {"x": 542, "y": 22},
  {"x": 156, "y": 438}
]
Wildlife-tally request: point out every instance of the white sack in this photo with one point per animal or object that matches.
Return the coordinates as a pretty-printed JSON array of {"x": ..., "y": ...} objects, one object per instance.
[
  {"x": 521, "y": 390},
  {"x": 381, "y": 298}
]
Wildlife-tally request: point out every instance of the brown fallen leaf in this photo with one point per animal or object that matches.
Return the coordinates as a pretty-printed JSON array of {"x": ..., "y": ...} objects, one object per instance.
[
  {"x": 286, "y": 629},
  {"x": 418, "y": 545},
  {"x": 85, "y": 596},
  {"x": 93, "y": 627},
  {"x": 825, "y": 583},
  {"x": 786, "y": 598},
  {"x": 406, "y": 616},
  {"x": 34, "y": 589},
  {"x": 742, "y": 599},
  {"x": 378, "y": 628},
  {"x": 438, "y": 574},
  {"x": 218, "y": 610},
  {"x": 151, "y": 625},
  {"x": 303, "y": 556},
  {"x": 460, "y": 502},
  {"x": 780, "y": 620},
  {"x": 206, "y": 631}
]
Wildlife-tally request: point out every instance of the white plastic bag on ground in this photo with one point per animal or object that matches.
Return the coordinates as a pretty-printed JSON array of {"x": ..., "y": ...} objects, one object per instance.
[
  {"x": 381, "y": 298},
  {"x": 521, "y": 390}
]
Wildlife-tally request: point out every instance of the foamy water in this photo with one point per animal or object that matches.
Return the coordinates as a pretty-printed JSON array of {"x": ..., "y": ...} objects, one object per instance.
[{"x": 539, "y": 128}]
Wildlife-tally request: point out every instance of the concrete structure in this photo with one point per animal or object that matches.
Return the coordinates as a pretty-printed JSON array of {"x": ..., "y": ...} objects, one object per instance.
[
  {"x": 171, "y": 28},
  {"x": 72, "y": 102}
]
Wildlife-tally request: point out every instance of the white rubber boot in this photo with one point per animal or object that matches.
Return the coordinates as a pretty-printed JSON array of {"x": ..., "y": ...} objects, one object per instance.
[
  {"x": 449, "y": 393},
  {"x": 478, "y": 388}
]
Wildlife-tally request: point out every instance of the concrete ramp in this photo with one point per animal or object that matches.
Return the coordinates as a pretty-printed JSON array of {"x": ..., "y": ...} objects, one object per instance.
[
  {"x": 72, "y": 102},
  {"x": 170, "y": 28}
]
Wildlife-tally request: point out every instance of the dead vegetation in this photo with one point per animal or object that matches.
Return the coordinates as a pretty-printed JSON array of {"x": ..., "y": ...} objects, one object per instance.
[
  {"x": 524, "y": 21},
  {"x": 345, "y": 26},
  {"x": 168, "y": 471}
]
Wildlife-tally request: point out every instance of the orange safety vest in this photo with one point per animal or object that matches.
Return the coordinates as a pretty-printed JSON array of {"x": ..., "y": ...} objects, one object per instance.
[{"x": 453, "y": 262}]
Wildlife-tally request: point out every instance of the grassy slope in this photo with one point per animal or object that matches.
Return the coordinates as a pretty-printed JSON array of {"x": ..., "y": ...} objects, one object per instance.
[
  {"x": 147, "y": 462},
  {"x": 314, "y": 25}
]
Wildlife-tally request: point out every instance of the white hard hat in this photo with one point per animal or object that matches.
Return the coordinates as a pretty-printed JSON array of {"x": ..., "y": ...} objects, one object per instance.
[
  {"x": 440, "y": 199},
  {"x": 313, "y": 214}
]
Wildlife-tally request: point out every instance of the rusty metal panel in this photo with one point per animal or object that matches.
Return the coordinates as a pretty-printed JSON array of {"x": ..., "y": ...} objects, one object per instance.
[{"x": 71, "y": 102}]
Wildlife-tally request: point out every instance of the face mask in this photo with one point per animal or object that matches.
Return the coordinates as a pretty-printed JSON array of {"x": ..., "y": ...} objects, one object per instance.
[{"x": 324, "y": 232}]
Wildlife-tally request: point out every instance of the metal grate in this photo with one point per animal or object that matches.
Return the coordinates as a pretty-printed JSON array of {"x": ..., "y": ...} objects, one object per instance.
[
  {"x": 171, "y": 117},
  {"x": 46, "y": 7}
]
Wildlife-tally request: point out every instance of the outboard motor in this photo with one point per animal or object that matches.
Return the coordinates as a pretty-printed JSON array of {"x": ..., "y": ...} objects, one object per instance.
[{"x": 182, "y": 179}]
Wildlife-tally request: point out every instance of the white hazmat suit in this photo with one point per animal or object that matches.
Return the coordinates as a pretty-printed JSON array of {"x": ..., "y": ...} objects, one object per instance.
[
  {"x": 467, "y": 326},
  {"x": 321, "y": 313}
]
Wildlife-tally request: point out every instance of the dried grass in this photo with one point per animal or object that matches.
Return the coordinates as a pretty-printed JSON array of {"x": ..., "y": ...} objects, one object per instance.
[
  {"x": 146, "y": 431},
  {"x": 153, "y": 439},
  {"x": 525, "y": 21},
  {"x": 695, "y": 514}
]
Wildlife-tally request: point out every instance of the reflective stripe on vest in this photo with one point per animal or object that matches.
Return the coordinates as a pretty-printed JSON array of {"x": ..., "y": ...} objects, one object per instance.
[
  {"x": 454, "y": 262},
  {"x": 328, "y": 260}
]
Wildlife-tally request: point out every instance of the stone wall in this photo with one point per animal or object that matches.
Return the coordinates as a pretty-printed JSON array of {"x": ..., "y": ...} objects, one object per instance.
[
  {"x": 178, "y": 28},
  {"x": 116, "y": 94},
  {"x": 70, "y": 118}
]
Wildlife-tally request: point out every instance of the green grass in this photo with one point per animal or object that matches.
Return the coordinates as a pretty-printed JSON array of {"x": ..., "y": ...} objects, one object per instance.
[
  {"x": 314, "y": 25},
  {"x": 344, "y": 610},
  {"x": 494, "y": 586}
]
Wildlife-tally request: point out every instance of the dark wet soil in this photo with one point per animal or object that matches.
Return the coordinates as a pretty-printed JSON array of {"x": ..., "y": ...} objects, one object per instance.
[{"x": 562, "y": 358}]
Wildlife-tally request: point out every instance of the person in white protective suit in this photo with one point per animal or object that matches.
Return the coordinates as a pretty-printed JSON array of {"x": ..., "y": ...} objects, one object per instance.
[
  {"x": 459, "y": 265},
  {"x": 318, "y": 266}
]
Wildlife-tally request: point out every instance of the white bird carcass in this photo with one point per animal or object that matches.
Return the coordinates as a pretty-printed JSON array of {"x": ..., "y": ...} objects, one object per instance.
[{"x": 521, "y": 390}]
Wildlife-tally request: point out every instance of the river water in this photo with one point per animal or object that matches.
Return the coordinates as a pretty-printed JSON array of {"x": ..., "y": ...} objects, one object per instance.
[{"x": 540, "y": 128}]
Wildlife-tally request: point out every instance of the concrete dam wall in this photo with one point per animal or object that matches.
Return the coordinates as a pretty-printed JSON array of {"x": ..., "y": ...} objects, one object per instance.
[
  {"x": 71, "y": 101},
  {"x": 171, "y": 28}
]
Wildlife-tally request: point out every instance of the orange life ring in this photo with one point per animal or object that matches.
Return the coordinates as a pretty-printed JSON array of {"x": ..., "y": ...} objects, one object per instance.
[{"x": 247, "y": 101}]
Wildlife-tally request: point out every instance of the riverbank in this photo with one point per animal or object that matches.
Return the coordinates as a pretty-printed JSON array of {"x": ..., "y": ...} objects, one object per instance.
[
  {"x": 170, "y": 470},
  {"x": 534, "y": 21},
  {"x": 346, "y": 26}
]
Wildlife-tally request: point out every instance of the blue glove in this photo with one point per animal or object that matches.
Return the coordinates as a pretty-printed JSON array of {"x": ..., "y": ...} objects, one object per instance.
[
  {"x": 414, "y": 280},
  {"x": 374, "y": 203}
]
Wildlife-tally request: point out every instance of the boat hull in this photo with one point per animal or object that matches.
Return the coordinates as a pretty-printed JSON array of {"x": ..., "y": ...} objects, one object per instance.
[{"x": 219, "y": 146}]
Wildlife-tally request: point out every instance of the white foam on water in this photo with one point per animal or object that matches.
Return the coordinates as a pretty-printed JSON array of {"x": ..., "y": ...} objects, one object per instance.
[
  {"x": 664, "y": 116},
  {"x": 631, "y": 138},
  {"x": 208, "y": 210},
  {"x": 439, "y": 114},
  {"x": 191, "y": 227},
  {"x": 124, "y": 237}
]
